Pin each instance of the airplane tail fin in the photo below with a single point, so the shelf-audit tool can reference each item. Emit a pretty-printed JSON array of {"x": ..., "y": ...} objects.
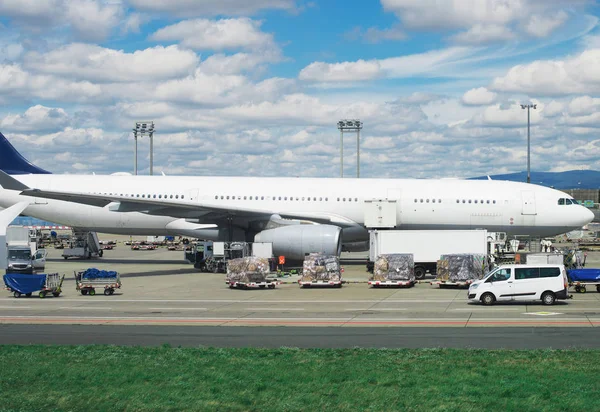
[{"x": 13, "y": 163}]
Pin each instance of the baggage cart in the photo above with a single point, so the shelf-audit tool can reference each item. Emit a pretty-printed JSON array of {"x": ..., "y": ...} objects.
[
  {"x": 328, "y": 283},
  {"x": 391, "y": 283},
  {"x": 456, "y": 284},
  {"x": 582, "y": 278},
  {"x": 91, "y": 279},
  {"x": 252, "y": 285},
  {"x": 44, "y": 284}
]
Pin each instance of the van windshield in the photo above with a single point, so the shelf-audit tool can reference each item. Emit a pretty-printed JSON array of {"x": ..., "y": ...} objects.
[{"x": 22, "y": 254}]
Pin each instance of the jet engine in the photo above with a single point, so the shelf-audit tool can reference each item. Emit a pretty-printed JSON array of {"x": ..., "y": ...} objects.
[{"x": 295, "y": 242}]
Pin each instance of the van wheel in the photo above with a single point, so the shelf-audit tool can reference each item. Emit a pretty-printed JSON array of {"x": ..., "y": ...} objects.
[
  {"x": 548, "y": 298},
  {"x": 488, "y": 299}
]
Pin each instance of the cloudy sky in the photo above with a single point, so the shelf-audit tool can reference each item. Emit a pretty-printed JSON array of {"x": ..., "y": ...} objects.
[{"x": 256, "y": 87}]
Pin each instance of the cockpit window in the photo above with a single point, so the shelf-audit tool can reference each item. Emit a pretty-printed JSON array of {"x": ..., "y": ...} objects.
[{"x": 566, "y": 201}]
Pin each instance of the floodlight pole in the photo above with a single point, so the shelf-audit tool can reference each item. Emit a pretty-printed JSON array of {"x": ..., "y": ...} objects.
[
  {"x": 142, "y": 128},
  {"x": 135, "y": 150},
  {"x": 353, "y": 125},
  {"x": 528, "y": 107}
]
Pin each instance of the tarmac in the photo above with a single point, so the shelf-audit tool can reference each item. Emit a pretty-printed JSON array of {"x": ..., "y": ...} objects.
[{"x": 160, "y": 290}]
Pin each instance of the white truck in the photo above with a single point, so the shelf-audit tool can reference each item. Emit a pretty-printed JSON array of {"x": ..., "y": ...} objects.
[
  {"x": 427, "y": 246},
  {"x": 23, "y": 255}
]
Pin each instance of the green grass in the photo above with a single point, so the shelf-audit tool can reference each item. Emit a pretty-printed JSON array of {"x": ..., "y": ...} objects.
[{"x": 111, "y": 378}]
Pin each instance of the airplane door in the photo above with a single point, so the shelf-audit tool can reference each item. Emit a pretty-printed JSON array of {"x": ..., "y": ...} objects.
[
  {"x": 396, "y": 194},
  {"x": 191, "y": 194},
  {"x": 528, "y": 203}
]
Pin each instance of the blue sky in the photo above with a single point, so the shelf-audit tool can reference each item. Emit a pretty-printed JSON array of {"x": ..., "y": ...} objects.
[{"x": 256, "y": 88}]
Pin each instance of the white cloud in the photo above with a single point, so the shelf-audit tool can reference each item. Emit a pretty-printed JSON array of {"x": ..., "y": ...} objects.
[
  {"x": 454, "y": 13},
  {"x": 553, "y": 108},
  {"x": 36, "y": 119},
  {"x": 15, "y": 82},
  {"x": 212, "y": 7},
  {"x": 92, "y": 19},
  {"x": 203, "y": 34},
  {"x": 511, "y": 115},
  {"x": 575, "y": 74},
  {"x": 237, "y": 63},
  {"x": 394, "y": 67},
  {"x": 542, "y": 26},
  {"x": 483, "y": 34},
  {"x": 32, "y": 11},
  {"x": 479, "y": 96},
  {"x": 341, "y": 72},
  {"x": 377, "y": 35},
  {"x": 583, "y": 105},
  {"x": 95, "y": 63}
]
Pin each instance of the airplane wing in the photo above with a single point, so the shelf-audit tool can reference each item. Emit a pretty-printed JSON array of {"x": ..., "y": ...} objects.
[{"x": 206, "y": 213}]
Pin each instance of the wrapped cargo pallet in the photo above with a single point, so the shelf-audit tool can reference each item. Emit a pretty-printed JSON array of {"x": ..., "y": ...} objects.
[
  {"x": 462, "y": 267},
  {"x": 394, "y": 267},
  {"x": 319, "y": 267},
  {"x": 247, "y": 269}
]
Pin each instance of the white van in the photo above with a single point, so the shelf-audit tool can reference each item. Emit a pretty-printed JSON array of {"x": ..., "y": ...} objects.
[{"x": 520, "y": 283}]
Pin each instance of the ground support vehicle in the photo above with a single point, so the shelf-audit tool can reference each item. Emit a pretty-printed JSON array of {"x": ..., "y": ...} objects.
[
  {"x": 426, "y": 246},
  {"x": 20, "y": 284},
  {"x": 87, "y": 283},
  {"x": 252, "y": 285},
  {"x": 83, "y": 245},
  {"x": 391, "y": 283},
  {"x": 445, "y": 284},
  {"x": 581, "y": 279},
  {"x": 328, "y": 283}
]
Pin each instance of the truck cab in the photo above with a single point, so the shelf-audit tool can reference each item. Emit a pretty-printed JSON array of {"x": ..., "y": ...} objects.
[{"x": 21, "y": 260}]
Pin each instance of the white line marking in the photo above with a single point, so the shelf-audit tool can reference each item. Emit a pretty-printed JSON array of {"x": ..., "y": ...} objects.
[
  {"x": 376, "y": 310},
  {"x": 84, "y": 308},
  {"x": 487, "y": 309},
  {"x": 117, "y": 300},
  {"x": 274, "y": 309},
  {"x": 177, "y": 308},
  {"x": 15, "y": 307}
]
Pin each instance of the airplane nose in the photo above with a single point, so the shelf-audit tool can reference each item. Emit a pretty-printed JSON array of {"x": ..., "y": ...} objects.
[{"x": 588, "y": 216}]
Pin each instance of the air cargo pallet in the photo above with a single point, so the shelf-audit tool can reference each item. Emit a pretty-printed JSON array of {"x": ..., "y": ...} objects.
[
  {"x": 580, "y": 287},
  {"x": 442, "y": 283},
  {"x": 243, "y": 285},
  {"x": 391, "y": 283},
  {"x": 328, "y": 283}
]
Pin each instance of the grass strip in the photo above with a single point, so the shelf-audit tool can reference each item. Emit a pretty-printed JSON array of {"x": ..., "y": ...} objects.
[{"x": 111, "y": 378}]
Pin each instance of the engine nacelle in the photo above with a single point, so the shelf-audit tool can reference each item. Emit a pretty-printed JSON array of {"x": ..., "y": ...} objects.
[{"x": 295, "y": 242}]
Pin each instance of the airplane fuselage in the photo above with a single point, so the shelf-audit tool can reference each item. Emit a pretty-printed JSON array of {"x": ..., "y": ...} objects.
[{"x": 514, "y": 208}]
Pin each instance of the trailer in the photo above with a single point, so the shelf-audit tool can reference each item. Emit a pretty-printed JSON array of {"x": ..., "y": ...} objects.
[
  {"x": 44, "y": 284},
  {"x": 91, "y": 279},
  {"x": 426, "y": 246},
  {"x": 582, "y": 278},
  {"x": 391, "y": 283},
  {"x": 452, "y": 284},
  {"x": 328, "y": 283},
  {"x": 252, "y": 285}
]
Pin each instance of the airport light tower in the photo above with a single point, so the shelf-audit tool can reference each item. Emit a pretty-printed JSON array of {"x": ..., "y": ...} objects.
[
  {"x": 141, "y": 129},
  {"x": 528, "y": 107},
  {"x": 350, "y": 125}
]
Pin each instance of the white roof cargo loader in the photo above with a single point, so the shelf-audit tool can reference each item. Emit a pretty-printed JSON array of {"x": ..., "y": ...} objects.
[{"x": 427, "y": 246}]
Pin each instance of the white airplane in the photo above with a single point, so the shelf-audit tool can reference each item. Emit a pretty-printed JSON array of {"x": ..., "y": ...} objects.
[{"x": 298, "y": 215}]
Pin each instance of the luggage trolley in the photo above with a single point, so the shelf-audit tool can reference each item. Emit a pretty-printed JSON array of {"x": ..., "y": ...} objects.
[
  {"x": 20, "y": 284},
  {"x": 581, "y": 278},
  {"x": 91, "y": 279}
]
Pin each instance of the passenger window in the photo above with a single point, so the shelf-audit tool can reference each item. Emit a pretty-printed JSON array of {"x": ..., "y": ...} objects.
[
  {"x": 527, "y": 273},
  {"x": 499, "y": 276},
  {"x": 549, "y": 272}
]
